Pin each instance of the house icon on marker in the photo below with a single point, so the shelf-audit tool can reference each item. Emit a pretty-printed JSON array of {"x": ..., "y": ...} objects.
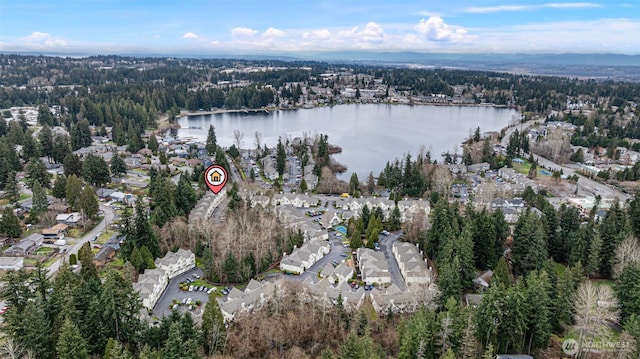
[{"x": 215, "y": 177}]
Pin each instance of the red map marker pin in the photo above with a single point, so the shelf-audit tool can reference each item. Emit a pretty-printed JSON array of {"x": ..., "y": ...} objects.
[{"x": 215, "y": 177}]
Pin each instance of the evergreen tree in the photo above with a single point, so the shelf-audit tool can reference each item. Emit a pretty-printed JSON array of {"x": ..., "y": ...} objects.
[
  {"x": 281, "y": 158},
  {"x": 40, "y": 202},
  {"x": 71, "y": 344},
  {"x": 529, "y": 247},
  {"x": 37, "y": 172},
  {"x": 213, "y": 329},
  {"x": 153, "y": 143},
  {"x": 627, "y": 288},
  {"x": 73, "y": 190},
  {"x": 89, "y": 271},
  {"x": 613, "y": 231},
  {"x": 61, "y": 147},
  {"x": 185, "y": 195},
  {"x": 80, "y": 135},
  {"x": 95, "y": 170},
  {"x": 538, "y": 304},
  {"x": 140, "y": 233},
  {"x": 230, "y": 268},
  {"x": 502, "y": 273},
  {"x": 178, "y": 345},
  {"x": 395, "y": 219},
  {"x": 134, "y": 142},
  {"x": 484, "y": 240},
  {"x": 59, "y": 190},
  {"x": 45, "y": 137},
  {"x": 10, "y": 224},
  {"x": 303, "y": 186},
  {"x": 119, "y": 308},
  {"x": 72, "y": 165},
  {"x": 11, "y": 190},
  {"x": 354, "y": 185},
  {"x": 419, "y": 335},
  {"x": 211, "y": 145},
  {"x": 89, "y": 202},
  {"x": 34, "y": 330},
  {"x": 117, "y": 165}
]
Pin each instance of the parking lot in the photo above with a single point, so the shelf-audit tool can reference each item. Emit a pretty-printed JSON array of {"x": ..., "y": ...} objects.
[{"x": 164, "y": 305}]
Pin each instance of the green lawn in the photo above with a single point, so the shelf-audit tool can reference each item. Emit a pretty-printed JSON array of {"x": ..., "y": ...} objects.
[
  {"x": 117, "y": 262},
  {"x": 105, "y": 236},
  {"x": 50, "y": 261},
  {"x": 522, "y": 168},
  {"x": 559, "y": 268},
  {"x": 44, "y": 250},
  {"x": 76, "y": 232}
]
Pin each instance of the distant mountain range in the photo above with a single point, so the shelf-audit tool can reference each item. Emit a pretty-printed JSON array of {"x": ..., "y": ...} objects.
[
  {"x": 409, "y": 57},
  {"x": 425, "y": 58}
]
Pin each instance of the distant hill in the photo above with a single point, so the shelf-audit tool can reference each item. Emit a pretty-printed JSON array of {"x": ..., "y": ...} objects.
[{"x": 425, "y": 58}]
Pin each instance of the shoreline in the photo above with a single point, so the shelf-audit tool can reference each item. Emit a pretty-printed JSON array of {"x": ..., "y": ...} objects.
[{"x": 273, "y": 109}]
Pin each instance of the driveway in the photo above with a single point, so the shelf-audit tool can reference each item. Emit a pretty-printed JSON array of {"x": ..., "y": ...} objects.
[
  {"x": 386, "y": 246},
  {"x": 335, "y": 254}
]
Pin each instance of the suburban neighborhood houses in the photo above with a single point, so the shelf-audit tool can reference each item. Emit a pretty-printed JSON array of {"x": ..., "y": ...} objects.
[{"x": 152, "y": 283}]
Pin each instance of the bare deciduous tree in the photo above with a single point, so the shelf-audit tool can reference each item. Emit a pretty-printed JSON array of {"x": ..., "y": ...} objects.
[
  {"x": 596, "y": 307},
  {"x": 627, "y": 252},
  {"x": 238, "y": 137},
  {"x": 257, "y": 139},
  {"x": 11, "y": 349}
]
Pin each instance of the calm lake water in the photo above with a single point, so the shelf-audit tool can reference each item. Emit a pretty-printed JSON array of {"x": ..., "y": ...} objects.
[{"x": 369, "y": 134}]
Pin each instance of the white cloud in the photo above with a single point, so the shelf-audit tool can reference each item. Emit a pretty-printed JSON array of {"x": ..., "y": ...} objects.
[
  {"x": 499, "y": 8},
  {"x": 215, "y": 42},
  {"x": 273, "y": 32},
  {"x": 317, "y": 34},
  {"x": 571, "y": 5},
  {"x": 190, "y": 35},
  {"x": 427, "y": 13},
  {"x": 243, "y": 32},
  {"x": 43, "y": 40},
  {"x": 435, "y": 29},
  {"x": 371, "y": 33}
]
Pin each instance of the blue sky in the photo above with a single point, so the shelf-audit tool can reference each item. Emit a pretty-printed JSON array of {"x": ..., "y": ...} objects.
[{"x": 199, "y": 27}]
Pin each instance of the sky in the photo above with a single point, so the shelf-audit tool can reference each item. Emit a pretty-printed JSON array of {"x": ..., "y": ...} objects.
[{"x": 210, "y": 27}]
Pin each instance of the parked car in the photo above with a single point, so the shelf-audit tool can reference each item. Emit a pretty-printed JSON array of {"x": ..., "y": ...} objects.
[
  {"x": 190, "y": 288},
  {"x": 225, "y": 292},
  {"x": 3, "y": 310}
]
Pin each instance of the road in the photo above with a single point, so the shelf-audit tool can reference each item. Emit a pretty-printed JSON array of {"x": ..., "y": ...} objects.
[
  {"x": 102, "y": 226},
  {"x": 163, "y": 305},
  {"x": 386, "y": 246},
  {"x": 586, "y": 186}
]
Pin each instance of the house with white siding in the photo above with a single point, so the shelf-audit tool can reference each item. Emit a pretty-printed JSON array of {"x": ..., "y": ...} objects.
[
  {"x": 412, "y": 264},
  {"x": 373, "y": 266},
  {"x": 304, "y": 257}
]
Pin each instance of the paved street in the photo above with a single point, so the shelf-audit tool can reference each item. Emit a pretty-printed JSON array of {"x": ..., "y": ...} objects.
[
  {"x": 386, "y": 245},
  {"x": 108, "y": 218}
]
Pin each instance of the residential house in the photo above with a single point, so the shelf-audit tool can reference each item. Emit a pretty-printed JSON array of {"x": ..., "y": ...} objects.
[
  {"x": 152, "y": 283},
  {"x": 26, "y": 245},
  {"x": 373, "y": 267},
  {"x": 329, "y": 219},
  {"x": 483, "y": 279},
  {"x": 104, "y": 255},
  {"x": 341, "y": 273},
  {"x": 412, "y": 264},
  {"x": 458, "y": 168},
  {"x": 304, "y": 257},
  {"x": 478, "y": 167},
  {"x": 174, "y": 264},
  {"x": 11, "y": 263},
  {"x": 71, "y": 219},
  {"x": 56, "y": 232},
  {"x": 393, "y": 299},
  {"x": 255, "y": 295}
]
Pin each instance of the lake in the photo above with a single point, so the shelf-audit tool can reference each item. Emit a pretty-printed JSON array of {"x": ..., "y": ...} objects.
[{"x": 369, "y": 134}]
